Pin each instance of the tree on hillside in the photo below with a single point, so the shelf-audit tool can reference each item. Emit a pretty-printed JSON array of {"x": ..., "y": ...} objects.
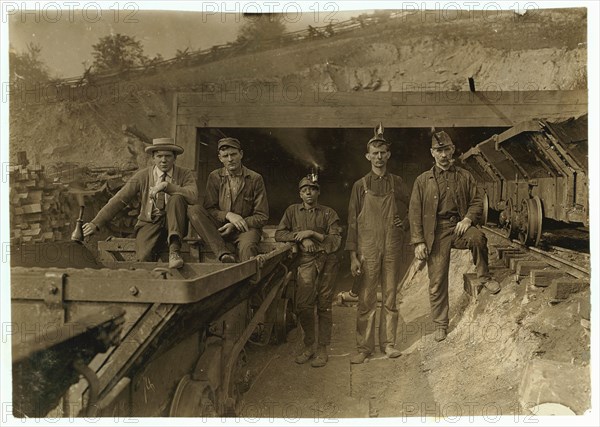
[
  {"x": 27, "y": 66},
  {"x": 117, "y": 52},
  {"x": 260, "y": 28}
]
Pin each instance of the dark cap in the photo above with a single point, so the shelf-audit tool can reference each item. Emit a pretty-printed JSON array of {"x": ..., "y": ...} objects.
[
  {"x": 378, "y": 137},
  {"x": 440, "y": 140},
  {"x": 229, "y": 142},
  {"x": 306, "y": 181}
]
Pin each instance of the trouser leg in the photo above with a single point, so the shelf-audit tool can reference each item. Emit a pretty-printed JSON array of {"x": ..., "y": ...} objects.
[
  {"x": 367, "y": 305},
  {"x": 474, "y": 240},
  {"x": 388, "y": 320},
  {"x": 176, "y": 217},
  {"x": 305, "y": 297},
  {"x": 149, "y": 237},
  {"x": 207, "y": 228},
  {"x": 325, "y": 290},
  {"x": 247, "y": 243},
  {"x": 438, "y": 263}
]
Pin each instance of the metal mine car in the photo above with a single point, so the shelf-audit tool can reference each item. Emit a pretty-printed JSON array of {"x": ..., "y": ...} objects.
[{"x": 533, "y": 172}]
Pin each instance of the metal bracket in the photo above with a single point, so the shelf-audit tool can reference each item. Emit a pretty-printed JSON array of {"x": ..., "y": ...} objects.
[{"x": 55, "y": 289}]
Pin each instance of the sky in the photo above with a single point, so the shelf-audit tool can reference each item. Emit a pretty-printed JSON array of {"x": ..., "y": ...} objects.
[{"x": 66, "y": 38}]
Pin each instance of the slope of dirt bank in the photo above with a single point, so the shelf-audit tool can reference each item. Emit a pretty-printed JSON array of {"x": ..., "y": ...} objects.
[
  {"x": 545, "y": 50},
  {"x": 475, "y": 372}
]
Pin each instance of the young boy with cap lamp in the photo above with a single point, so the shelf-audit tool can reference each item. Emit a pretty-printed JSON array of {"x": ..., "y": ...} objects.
[{"x": 317, "y": 231}]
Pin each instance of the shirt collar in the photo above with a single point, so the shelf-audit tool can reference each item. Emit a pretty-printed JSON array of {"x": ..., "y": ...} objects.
[
  {"x": 158, "y": 173},
  {"x": 374, "y": 175},
  {"x": 438, "y": 169},
  {"x": 225, "y": 172},
  {"x": 304, "y": 208}
]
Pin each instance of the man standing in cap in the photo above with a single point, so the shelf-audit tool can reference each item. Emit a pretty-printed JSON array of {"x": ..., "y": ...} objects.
[
  {"x": 444, "y": 207},
  {"x": 165, "y": 191},
  {"x": 376, "y": 226},
  {"x": 317, "y": 231},
  {"x": 236, "y": 200}
]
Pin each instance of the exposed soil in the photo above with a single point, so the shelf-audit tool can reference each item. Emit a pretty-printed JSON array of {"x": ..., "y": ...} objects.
[
  {"x": 476, "y": 371},
  {"x": 542, "y": 50}
]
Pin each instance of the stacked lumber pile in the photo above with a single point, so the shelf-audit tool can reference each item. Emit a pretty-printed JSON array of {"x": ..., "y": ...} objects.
[
  {"x": 40, "y": 209},
  {"x": 44, "y": 204}
]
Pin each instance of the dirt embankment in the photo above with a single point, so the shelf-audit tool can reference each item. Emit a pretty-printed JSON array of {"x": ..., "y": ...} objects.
[{"x": 545, "y": 50}]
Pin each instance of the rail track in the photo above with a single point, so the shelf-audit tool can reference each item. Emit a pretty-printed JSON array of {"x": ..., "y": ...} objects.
[{"x": 542, "y": 268}]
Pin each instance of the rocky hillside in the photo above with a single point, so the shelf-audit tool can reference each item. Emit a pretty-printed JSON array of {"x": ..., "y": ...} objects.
[{"x": 541, "y": 50}]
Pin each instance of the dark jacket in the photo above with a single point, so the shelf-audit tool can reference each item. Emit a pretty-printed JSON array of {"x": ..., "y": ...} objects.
[
  {"x": 250, "y": 203},
  {"x": 184, "y": 184},
  {"x": 422, "y": 211}
]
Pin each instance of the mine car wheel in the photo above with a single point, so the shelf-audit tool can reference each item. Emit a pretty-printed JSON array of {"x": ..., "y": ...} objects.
[
  {"x": 486, "y": 209},
  {"x": 193, "y": 399},
  {"x": 506, "y": 219},
  {"x": 532, "y": 221},
  {"x": 284, "y": 321}
]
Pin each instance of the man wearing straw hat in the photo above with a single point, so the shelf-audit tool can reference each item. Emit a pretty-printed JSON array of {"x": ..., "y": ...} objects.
[
  {"x": 376, "y": 228},
  {"x": 165, "y": 191},
  {"x": 444, "y": 207}
]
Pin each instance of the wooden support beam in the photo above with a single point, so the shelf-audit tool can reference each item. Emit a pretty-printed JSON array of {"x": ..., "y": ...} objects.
[
  {"x": 186, "y": 137},
  {"x": 266, "y": 108}
]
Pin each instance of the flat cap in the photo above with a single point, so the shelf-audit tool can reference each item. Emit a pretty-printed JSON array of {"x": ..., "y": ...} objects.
[
  {"x": 440, "y": 140},
  {"x": 229, "y": 142},
  {"x": 306, "y": 181}
]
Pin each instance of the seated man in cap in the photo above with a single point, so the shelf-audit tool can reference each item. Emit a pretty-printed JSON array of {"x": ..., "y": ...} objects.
[
  {"x": 235, "y": 203},
  {"x": 165, "y": 191},
  {"x": 317, "y": 231},
  {"x": 444, "y": 207}
]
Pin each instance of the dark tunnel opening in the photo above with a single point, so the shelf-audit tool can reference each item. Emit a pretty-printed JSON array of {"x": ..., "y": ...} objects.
[{"x": 284, "y": 155}]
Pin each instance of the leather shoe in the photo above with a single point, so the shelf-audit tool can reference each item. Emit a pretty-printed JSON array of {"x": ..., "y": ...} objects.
[
  {"x": 440, "y": 334},
  {"x": 175, "y": 260},
  {"x": 305, "y": 356},
  {"x": 359, "y": 358},
  {"x": 320, "y": 359},
  {"x": 227, "y": 259},
  {"x": 392, "y": 352},
  {"x": 492, "y": 286}
]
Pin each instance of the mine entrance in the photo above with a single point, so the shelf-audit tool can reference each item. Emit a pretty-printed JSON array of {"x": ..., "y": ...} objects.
[{"x": 284, "y": 155}]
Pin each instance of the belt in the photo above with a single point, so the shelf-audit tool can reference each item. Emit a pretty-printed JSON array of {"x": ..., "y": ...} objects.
[{"x": 452, "y": 218}]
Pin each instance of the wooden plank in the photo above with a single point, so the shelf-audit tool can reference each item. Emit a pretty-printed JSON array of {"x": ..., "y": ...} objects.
[
  {"x": 185, "y": 136},
  {"x": 261, "y": 94},
  {"x": 239, "y": 107},
  {"x": 290, "y": 95},
  {"x": 365, "y": 117}
]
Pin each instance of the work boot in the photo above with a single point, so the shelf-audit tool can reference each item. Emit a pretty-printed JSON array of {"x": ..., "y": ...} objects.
[
  {"x": 359, "y": 358},
  {"x": 175, "y": 260},
  {"x": 320, "y": 359},
  {"x": 305, "y": 356},
  {"x": 440, "y": 334},
  {"x": 492, "y": 286},
  {"x": 392, "y": 352},
  {"x": 227, "y": 259}
]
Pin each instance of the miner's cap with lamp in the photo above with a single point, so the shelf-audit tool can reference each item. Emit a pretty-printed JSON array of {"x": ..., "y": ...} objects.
[
  {"x": 164, "y": 144},
  {"x": 307, "y": 182},
  {"x": 229, "y": 142},
  {"x": 378, "y": 137},
  {"x": 441, "y": 140}
]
